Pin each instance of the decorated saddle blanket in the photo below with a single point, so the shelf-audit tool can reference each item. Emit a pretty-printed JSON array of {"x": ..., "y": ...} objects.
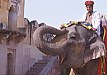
[{"x": 86, "y": 25}]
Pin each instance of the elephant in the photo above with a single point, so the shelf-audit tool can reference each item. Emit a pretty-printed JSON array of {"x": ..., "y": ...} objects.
[{"x": 77, "y": 47}]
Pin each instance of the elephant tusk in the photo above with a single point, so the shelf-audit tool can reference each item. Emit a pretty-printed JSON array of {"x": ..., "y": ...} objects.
[{"x": 62, "y": 58}]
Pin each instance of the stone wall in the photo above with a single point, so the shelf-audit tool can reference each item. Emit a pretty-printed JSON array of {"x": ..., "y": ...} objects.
[{"x": 16, "y": 57}]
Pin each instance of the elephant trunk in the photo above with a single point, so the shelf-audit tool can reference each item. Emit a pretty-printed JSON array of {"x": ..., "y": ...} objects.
[{"x": 49, "y": 47}]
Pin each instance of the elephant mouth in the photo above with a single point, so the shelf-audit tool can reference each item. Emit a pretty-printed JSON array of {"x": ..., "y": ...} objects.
[
  {"x": 74, "y": 51},
  {"x": 74, "y": 62}
]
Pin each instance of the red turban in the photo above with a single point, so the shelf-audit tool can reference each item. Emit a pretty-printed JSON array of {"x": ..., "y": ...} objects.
[{"x": 89, "y": 3}]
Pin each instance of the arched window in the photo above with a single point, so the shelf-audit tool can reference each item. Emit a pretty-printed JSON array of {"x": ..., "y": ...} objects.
[{"x": 12, "y": 18}]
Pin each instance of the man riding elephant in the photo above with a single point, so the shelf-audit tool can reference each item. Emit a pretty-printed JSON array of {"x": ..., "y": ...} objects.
[{"x": 92, "y": 17}]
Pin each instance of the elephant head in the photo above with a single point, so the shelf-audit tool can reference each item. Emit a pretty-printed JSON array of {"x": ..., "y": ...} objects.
[{"x": 77, "y": 43}]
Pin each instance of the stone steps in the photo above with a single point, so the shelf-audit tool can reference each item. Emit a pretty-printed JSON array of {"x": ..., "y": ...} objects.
[{"x": 38, "y": 66}]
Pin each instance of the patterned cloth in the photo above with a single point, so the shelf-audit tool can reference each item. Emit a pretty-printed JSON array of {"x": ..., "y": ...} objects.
[
  {"x": 104, "y": 37},
  {"x": 86, "y": 25},
  {"x": 102, "y": 67}
]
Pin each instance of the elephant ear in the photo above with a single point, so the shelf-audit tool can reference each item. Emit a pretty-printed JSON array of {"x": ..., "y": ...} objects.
[{"x": 96, "y": 48}]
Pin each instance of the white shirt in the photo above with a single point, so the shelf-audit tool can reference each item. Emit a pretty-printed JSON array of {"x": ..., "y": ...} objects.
[{"x": 95, "y": 21}]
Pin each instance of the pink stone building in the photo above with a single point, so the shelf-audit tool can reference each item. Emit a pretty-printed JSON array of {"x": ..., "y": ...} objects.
[{"x": 17, "y": 50}]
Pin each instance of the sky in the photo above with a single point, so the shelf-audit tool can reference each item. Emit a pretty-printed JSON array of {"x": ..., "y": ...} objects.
[{"x": 56, "y": 12}]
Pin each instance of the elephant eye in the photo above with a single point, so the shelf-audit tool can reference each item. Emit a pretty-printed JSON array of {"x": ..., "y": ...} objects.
[{"x": 72, "y": 36}]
